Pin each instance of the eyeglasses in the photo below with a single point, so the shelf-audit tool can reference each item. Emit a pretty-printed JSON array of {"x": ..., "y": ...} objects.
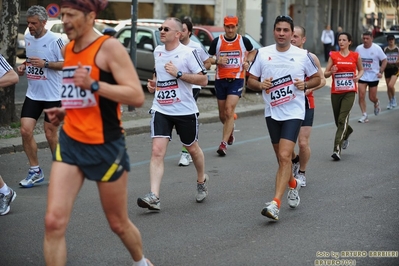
[
  {"x": 165, "y": 29},
  {"x": 284, "y": 18}
]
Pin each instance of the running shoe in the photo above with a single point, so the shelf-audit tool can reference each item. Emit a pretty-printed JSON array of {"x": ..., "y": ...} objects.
[
  {"x": 302, "y": 179},
  {"x": 293, "y": 195},
  {"x": 363, "y": 119},
  {"x": 149, "y": 201},
  {"x": 336, "y": 156},
  {"x": 184, "y": 159},
  {"x": 5, "y": 201},
  {"x": 222, "y": 151},
  {"x": 394, "y": 103},
  {"x": 345, "y": 144},
  {"x": 202, "y": 190},
  {"x": 231, "y": 138},
  {"x": 295, "y": 168},
  {"x": 389, "y": 106},
  {"x": 271, "y": 210},
  {"x": 32, "y": 178},
  {"x": 377, "y": 108}
]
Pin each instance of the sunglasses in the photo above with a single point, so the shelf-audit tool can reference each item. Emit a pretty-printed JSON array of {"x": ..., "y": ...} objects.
[
  {"x": 284, "y": 18},
  {"x": 165, "y": 29}
]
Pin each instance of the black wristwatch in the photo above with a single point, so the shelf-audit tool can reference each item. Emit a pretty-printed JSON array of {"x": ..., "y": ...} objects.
[
  {"x": 94, "y": 86},
  {"x": 179, "y": 74},
  {"x": 46, "y": 64}
]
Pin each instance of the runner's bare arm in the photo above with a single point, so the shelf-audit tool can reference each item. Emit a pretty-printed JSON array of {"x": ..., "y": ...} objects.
[
  {"x": 112, "y": 57},
  {"x": 323, "y": 80}
]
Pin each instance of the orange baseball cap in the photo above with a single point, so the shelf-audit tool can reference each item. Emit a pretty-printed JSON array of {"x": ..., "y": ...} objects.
[{"x": 231, "y": 20}]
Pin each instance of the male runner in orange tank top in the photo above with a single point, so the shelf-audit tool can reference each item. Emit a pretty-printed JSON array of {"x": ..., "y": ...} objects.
[
  {"x": 97, "y": 76},
  {"x": 229, "y": 52}
]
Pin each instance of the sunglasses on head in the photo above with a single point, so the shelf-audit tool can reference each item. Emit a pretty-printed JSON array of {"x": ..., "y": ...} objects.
[
  {"x": 165, "y": 29},
  {"x": 284, "y": 18}
]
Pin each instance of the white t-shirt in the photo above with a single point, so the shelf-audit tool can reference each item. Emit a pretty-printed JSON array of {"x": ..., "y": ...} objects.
[
  {"x": 44, "y": 84},
  {"x": 284, "y": 100},
  {"x": 4, "y": 66},
  {"x": 371, "y": 58},
  {"x": 174, "y": 96},
  {"x": 203, "y": 55}
]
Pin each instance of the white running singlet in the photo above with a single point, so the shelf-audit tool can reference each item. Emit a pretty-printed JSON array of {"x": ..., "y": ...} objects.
[
  {"x": 201, "y": 53},
  {"x": 174, "y": 96},
  {"x": 284, "y": 100},
  {"x": 44, "y": 84},
  {"x": 371, "y": 58},
  {"x": 4, "y": 66}
]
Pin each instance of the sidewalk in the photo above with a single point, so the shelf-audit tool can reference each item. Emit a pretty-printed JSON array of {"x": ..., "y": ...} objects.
[{"x": 132, "y": 127}]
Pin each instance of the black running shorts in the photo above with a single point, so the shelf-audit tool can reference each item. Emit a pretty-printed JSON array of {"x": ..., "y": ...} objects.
[
  {"x": 288, "y": 129},
  {"x": 186, "y": 126}
]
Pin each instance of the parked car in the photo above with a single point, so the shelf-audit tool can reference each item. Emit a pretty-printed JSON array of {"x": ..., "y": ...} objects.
[
  {"x": 147, "y": 38},
  {"x": 382, "y": 40},
  {"x": 21, "y": 52}
]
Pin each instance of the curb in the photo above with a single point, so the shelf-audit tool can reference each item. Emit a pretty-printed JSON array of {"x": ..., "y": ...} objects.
[{"x": 132, "y": 127}]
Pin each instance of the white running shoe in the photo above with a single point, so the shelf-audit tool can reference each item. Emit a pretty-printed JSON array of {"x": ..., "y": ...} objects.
[
  {"x": 202, "y": 190},
  {"x": 293, "y": 195},
  {"x": 301, "y": 178},
  {"x": 393, "y": 102},
  {"x": 345, "y": 144},
  {"x": 185, "y": 159},
  {"x": 389, "y": 106},
  {"x": 377, "y": 108},
  {"x": 271, "y": 210},
  {"x": 32, "y": 178},
  {"x": 363, "y": 119},
  {"x": 295, "y": 168}
]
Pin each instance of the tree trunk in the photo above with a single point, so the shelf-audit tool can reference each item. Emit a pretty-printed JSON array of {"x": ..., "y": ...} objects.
[
  {"x": 241, "y": 12},
  {"x": 9, "y": 20}
]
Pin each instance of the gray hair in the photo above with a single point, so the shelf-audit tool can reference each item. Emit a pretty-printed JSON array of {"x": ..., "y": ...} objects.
[{"x": 39, "y": 11}]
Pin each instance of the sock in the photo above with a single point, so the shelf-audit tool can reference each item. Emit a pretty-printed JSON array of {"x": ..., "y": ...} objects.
[
  {"x": 35, "y": 168},
  {"x": 296, "y": 159},
  {"x": 365, "y": 114},
  {"x": 142, "y": 262},
  {"x": 301, "y": 172},
  {"x": 5, "y": 190},
  {"x": 277, "y": 201},
  {"x": 184, "y": 149},
  {"x": 292, "y": 184}
]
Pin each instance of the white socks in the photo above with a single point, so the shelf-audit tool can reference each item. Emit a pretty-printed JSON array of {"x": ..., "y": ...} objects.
[{"x": 142, "y": 262}]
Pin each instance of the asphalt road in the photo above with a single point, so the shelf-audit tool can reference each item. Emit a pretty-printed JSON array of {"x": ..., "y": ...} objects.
[{"x": 347, "y": 206}]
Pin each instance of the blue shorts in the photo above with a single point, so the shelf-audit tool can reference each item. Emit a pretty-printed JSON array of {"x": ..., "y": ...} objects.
[
  {"x": 226, "y": 87},
  {"x": 309, "y": 116},
  {"x": 288, "y": 129},
  {"x": 98, "y": 162}
]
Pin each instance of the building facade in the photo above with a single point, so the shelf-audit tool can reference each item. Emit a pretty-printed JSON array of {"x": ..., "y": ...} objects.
[{"x": 314, "y": 15}]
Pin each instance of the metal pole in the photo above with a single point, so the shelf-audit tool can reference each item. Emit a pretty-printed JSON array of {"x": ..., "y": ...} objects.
[
  {"x": 285, "y": 7},
  {"x": 133, "y": 45}
]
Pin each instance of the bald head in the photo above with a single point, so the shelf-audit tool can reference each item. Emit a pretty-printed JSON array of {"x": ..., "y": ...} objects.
[{"x": 299, "y": 36}]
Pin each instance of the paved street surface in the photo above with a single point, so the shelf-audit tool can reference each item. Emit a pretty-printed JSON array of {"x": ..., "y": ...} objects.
[{"x": 348, "y": 206}]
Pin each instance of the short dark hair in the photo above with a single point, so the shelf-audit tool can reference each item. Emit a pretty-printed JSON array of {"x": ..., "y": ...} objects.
[
  {"x": 189, "y": 25},
  {"x": 390, "y": 37},
  {"x": 346, "y": 34},
  {"x": 283, "y": 18},
  {"x": 368, "y": 33}
]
